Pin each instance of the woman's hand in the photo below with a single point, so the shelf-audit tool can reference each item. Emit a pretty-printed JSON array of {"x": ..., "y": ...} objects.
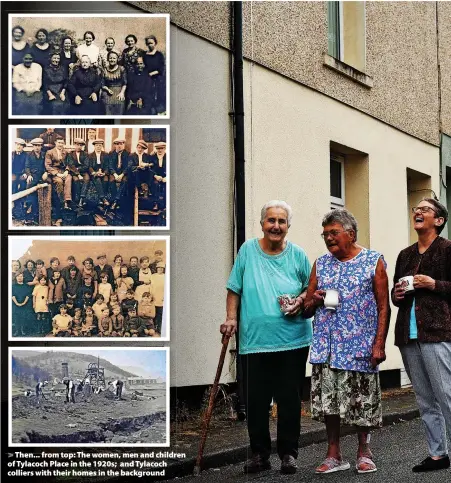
[
  {"x": 93, "y": 97},
  {"x": 51, "y": 96},
  {"x": 228, "y": 327},
  {"x": 318, "y": 298},
  {"x": 63, "y": 96},
  {"x": 423, "y": 281},
  {"x": 78, "y": 100},
  {"x": 121, "y": 96},
  {"x": 398, "y": 292},
  {"x": 378, "y": 355},
  {"x": 297, "y": 306}
]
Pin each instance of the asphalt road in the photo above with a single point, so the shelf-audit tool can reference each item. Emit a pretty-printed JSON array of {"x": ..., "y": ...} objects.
[{"x": 396, "y": 449}]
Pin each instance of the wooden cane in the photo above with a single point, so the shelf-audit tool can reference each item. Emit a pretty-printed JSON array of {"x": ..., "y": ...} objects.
[{"x": 208, "y": 413}]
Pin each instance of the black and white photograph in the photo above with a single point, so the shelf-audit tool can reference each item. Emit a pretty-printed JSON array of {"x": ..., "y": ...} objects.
[
  {"x": 84, "y": 287},
  {"x": 89, "y": 397},
  {"x": 104, "y": 65},
  {"x": 89, "y": 176}
]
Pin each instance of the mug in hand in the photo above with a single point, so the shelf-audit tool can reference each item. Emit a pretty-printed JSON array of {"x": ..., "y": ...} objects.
[
  {"x": 407, "y": 284},
  {"x": 331, "y": 299}
]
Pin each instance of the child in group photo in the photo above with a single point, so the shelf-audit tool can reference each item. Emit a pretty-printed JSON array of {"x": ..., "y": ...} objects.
[{"x": 66, "y": 300}]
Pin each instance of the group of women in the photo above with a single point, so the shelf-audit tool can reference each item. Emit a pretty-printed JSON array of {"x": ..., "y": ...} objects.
[
  {"x": 85, "y": 79},
  {"x": 347, "y": 293}
]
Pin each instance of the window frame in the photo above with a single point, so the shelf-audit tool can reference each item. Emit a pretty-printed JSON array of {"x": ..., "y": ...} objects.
[{"x": 334, "y": 201}]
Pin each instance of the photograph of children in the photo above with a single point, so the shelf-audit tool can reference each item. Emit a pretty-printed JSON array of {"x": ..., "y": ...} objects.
[
  {"x": 78, "y": 66},
  {"x": 87, "y": 287},
  {"x": 93, "y": 396},
  {"x": 89, "y": 176}
]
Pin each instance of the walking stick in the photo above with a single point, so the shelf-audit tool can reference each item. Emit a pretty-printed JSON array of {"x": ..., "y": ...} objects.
[{"x": 208, "y": 413}]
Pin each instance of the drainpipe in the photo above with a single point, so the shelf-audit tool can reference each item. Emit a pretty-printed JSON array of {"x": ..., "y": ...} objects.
[{"x": 239, "y": 187}]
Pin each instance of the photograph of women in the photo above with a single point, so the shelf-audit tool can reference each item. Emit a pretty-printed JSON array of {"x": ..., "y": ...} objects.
[{"x": 104, "y": 65}]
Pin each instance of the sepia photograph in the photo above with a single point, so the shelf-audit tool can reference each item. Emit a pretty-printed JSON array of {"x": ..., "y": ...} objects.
[
  {"x": 89, "y": 176},
  {"x": 78, "y": 66},
  {"x": 88, "y": 397},
  {"x": 83, "y": 288}
]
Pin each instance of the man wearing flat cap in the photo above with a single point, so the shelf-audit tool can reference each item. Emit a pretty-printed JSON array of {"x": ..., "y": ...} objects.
[
  {"x": 77, "y": 165},
  {"x": 158, "y": 258},
  {"x": 98, "y": 172},
  {"x": 35, "y": 173},
  {"x": 103, "y": 267},
  {"x": 118, "y": 171},
  {"x": 19, "y": 157},
  {"x": 140, "y": 167},
  {"x": 158, "y": 159},
  {"x": 55, "y": 164}
]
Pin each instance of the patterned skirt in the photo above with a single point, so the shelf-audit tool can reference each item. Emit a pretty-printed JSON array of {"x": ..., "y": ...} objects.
[{"x": 354, "y": 396}]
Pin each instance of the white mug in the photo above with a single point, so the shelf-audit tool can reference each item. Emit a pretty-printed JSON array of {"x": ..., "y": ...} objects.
[
  {"x": 331, "y": 299},
  {"x": 407, "y": 284}
]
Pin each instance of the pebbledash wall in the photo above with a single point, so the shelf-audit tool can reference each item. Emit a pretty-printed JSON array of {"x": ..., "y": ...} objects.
[{"x": 297, "y": 111}]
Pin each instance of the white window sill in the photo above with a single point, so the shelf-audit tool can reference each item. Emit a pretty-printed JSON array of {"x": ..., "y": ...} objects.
[{"x": 348, "y": 71}]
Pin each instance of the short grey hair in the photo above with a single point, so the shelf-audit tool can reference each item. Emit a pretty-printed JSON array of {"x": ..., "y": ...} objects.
[
  {"x": 344, "y": 217},
  {"x": 276, "y": 204}
]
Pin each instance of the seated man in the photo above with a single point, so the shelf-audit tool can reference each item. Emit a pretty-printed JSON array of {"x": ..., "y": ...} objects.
[
  {"x": 98, "y": 173},
  {"x": 138, "y": 89},
  {"x": 140, "y": 167},
  {"x": 118, "y": 164},
  {"x": 77, "y": 165},
  {"x": 55, "y": 164},
  {"x": 27, "y": 82}
]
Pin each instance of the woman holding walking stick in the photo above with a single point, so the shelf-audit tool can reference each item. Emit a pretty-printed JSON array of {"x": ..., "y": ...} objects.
[{"x": 268, "y": 276}]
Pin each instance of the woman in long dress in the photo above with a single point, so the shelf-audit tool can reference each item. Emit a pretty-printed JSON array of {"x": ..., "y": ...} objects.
[
  {"x": 19, "y": 45},
  {"x": 131, "y": 53},
  {"x": 154, "y": 61},
  {"x": 54, "y": 83},
  {"x": 41, "y": 48},
  {"x": 113, "y": 86},
  {"x": 23, "y": 318}
]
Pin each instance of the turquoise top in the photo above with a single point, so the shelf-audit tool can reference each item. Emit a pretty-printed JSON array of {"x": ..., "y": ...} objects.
[
  {"x": 413, "y": 330},
  {"x": 259, "y": 279}
]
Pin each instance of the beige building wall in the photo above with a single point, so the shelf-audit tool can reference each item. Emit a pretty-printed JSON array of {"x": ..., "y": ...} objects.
[
  {"x": 444, "y": 39},
  {"x": 289, "y": 130},
  {"x": 291, "y": 38}
]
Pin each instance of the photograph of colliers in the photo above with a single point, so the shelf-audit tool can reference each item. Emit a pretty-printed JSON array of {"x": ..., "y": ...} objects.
[
  {"x": 93, "y": 397},
  {"x": 69, "y": 65},
  {"x": 89, "y": 287},
  {"x": 97, "y": 176}
]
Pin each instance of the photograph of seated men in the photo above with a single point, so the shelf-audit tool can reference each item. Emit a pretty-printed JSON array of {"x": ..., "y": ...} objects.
[{"x": 88, "y": 176}]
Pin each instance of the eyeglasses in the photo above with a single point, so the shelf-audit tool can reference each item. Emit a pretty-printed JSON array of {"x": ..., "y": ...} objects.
[
  {"x": 332, "y": 233},
  {"x": 423, "y": 209}
]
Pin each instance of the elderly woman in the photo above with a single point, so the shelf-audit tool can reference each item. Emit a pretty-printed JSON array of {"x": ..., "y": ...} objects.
[
  {"x": 19, "y": 45},
  {"x": 27, "y": 83},
  {"x": 113, "y": 86},
  {"x": 89, "y": 49},
  {"x": 41, "y": 48},
  {"x": 84, "y": 87},
  {"x": 348, "y": 338},
  {"x": 274, "y": 344},
  {"x": 423, "y": 326},
  {"x": 54, "y": 83}
]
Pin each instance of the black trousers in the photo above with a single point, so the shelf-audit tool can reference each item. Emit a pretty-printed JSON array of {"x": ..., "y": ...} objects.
[{"x": 278, "y": 375}]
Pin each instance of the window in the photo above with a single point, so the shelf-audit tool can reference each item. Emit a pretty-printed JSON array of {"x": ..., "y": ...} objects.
[
  {"x": 337, "y": 181},
  {"x": 346, "y": 32}
]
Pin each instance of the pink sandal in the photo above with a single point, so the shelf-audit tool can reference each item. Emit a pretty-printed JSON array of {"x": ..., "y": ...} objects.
[
  {"x": 333, "y": 465},
  {"x": 365, "y": 460}
]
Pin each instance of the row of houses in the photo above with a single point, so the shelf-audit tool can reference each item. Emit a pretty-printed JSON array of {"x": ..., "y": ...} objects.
[{"x": 345, "y": 104}]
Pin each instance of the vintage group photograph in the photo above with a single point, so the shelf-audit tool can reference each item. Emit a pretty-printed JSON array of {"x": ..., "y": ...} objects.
[
  {"x": 93, "y": 397},
  {"x": 86, "y": 287},
  {"x": 104, "y": 65},
  {"x": 89, "y": 176}
]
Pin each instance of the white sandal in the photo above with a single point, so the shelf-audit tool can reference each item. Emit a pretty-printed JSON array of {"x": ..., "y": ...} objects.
[
  {"x": 367, "y": 461},
  {"x": 333, "y": 465}
]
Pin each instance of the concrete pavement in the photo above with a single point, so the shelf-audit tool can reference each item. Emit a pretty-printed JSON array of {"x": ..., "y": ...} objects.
[{"x": 396, "y": 449}]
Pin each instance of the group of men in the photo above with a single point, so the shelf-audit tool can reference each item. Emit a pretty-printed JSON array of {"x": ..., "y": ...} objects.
[{"x": 114, "y": 175}]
